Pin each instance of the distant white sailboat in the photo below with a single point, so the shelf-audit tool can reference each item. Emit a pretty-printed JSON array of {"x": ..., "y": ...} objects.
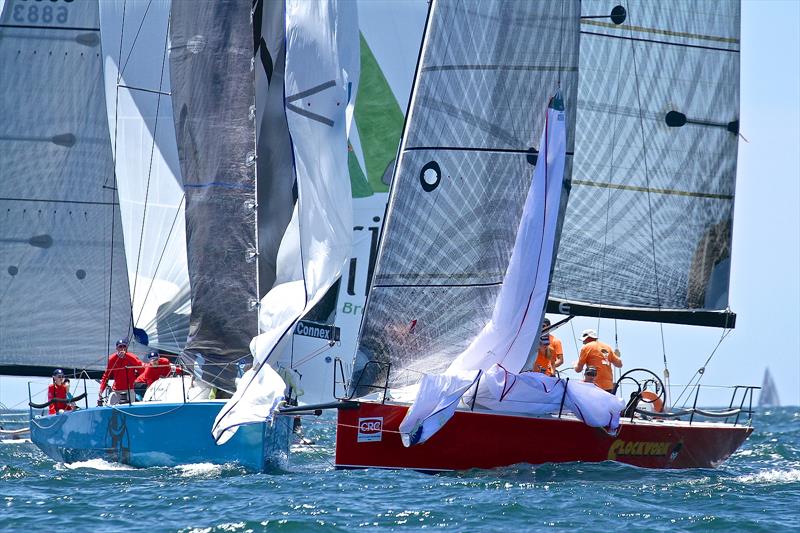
[{"x": 769, "y": 392}]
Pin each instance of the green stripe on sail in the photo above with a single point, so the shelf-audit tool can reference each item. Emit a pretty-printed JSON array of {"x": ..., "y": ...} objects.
[
  {"x": 379, "y": 120},
  {"x": 358, "y": 181}
]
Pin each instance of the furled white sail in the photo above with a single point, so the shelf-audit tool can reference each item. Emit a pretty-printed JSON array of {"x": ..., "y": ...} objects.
[
  {"x": 137, "y": 87},
  {"x": 515, "y": 324},
  {"x": 533, "y": 393},
  {"x": 320, "y": 75}
]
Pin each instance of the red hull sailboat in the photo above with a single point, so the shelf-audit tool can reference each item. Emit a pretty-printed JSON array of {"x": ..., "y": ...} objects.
[
  {"x": 628, "y": 215},
  {"x": 367, "y": 436}
]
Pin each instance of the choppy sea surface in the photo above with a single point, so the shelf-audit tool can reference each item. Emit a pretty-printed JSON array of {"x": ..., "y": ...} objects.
[{"x": 757, "y": 489}]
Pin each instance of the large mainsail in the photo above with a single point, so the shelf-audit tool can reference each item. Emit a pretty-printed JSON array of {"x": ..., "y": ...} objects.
[
  {"x": 64, "y": 295},
  {"x": 464, "y": 170},
  {"x": 213, "y": 98},
  {"x": 648, "y": 227},
  {"x": 134, "y": 40}
]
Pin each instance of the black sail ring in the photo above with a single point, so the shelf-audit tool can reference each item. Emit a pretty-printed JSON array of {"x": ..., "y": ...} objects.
[{"x": 430, "y": 176}]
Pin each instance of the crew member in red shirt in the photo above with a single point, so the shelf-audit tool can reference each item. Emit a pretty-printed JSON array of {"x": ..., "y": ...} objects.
[
  {"x": 58, "y": 391},
  {"x": 601, "y": 356},
  {"x": 157, "y": 367},
  {"x": 123, "y": 367}
]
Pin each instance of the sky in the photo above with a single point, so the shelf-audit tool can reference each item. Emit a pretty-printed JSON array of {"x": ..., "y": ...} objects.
[{"x": 765, "y": 271}]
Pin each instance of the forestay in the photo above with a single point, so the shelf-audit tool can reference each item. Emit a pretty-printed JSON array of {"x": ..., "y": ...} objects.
[
  {"x": 486, "y": 73},
  {"x": 321, "y": 70},
  {"x": 649, "y": 221},
  {"x": 137, "y": 83},
  {"x": 64, "y": 295}
]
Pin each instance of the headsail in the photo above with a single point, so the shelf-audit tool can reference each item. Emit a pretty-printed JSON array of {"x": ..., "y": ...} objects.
[
  {"x": 486, "y": 72},
  {"x": 321, "y": 70},
  {"x": 213, "y": 97},
  {"x": 648, "y": 228},
  {"x": 63, "y": 284},
  {"x": 148, "y": 172},
  {"x": 506, "y": 340}
]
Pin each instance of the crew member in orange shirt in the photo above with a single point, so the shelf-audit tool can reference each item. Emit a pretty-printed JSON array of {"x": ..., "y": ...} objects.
[
  {"x": 58, "y": 391},
  {"x": 123, "y": 367},
  {"x": 599, "y": 355},
  {"x": 551, "y": 353}
]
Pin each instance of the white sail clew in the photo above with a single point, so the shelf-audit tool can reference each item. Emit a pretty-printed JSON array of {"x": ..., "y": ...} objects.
[
  {"x": 507, "y": 337},
  {"x": 322, "y": 69}
]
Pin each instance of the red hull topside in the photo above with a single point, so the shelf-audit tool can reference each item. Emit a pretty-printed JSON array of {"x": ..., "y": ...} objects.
[{"x": 368, "y": 437}]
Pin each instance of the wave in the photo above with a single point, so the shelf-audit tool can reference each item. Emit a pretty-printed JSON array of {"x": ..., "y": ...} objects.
[
  {"x": 772, "y": 477},
  {"x": 95, "y": 464},
  {"x": 15, "y": 441},
  {"x": 200, "y": 470}
]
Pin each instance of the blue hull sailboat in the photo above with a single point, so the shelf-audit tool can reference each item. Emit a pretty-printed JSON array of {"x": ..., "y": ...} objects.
[
  {"x": 257, "y": 228},
  {"x": 152, "y": 434}
]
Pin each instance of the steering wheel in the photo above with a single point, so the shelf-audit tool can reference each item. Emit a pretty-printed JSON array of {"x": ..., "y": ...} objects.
[{"x": 642, "y": 384}]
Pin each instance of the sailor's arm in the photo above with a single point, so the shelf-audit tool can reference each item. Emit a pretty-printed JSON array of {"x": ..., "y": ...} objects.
[
  {"x": 104, "y": 379},
  {"x": 558, "y": 351},
  {"x": 615, "y": 359},
  {"x": 581, "y": 361}
]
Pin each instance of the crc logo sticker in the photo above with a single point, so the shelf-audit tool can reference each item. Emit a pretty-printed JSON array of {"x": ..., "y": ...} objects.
[{"x": 370, "y": 429}]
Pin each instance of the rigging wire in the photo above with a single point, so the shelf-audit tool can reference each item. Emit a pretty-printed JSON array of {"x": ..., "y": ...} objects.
[
  {"x": 649, "y": 198},
  {"x": 616, "y": 350},
  {"x": 149, "y": 169},
  {"x": 114, "y": 188},
  {"x": 121, "y": 68},
  {"x": 574, "y": 338},
  {"x": 700, "y": 372}
]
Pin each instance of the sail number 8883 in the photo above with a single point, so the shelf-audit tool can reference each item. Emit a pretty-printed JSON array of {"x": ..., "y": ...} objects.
[{"x": 39, "y": 11}]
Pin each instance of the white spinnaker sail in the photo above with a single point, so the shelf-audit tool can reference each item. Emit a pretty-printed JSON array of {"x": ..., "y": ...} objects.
[
  {"x": 507, "y": 337},
  {"x": 321, "y": 73},
  {"x": 137, "y": 86}
]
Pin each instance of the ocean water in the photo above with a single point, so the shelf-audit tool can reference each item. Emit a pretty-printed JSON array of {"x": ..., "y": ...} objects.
[{"x": 757, "y": 489}]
